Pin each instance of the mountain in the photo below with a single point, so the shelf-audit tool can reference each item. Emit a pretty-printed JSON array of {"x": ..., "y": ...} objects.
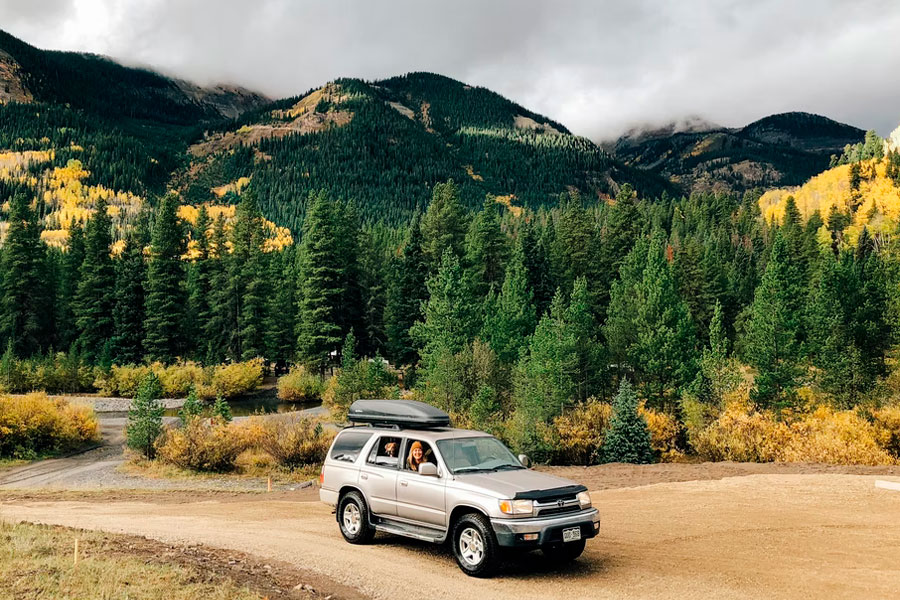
[
  {"x": 386, "y": 143},
  {"x": 100, "y": 85},
  {"x": 135, "y": 133},
  {"x": 779, "y": 150}
]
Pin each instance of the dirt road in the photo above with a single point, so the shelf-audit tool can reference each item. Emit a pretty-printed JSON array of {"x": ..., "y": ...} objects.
[{"x": 756, "y": 536}]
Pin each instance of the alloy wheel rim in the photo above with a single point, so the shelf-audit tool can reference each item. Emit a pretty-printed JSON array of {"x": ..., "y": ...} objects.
[
  {"x": 471, "y": 546},
  {"x": 352, "y": 521}
]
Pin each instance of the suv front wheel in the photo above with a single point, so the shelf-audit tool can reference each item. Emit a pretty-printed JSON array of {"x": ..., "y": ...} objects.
[
  {"x": 353, "y": 516},
  {"x": 474, "y": 545}
]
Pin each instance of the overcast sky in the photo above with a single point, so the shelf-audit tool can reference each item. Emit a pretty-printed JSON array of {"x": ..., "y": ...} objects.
[{"x": 596, "y": 66}]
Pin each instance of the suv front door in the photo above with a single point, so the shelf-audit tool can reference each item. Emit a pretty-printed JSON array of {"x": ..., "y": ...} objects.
[{"x": 420, "y": 498}]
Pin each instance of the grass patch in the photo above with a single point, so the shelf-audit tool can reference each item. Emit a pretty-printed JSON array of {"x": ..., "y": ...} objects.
[{"x": 37, "y": 562}]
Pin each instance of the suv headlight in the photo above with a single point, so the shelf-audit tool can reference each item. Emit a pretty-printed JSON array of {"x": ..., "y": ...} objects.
[
  {"x": 517, "y": 507},
  {"x": 584, "y": 499}
]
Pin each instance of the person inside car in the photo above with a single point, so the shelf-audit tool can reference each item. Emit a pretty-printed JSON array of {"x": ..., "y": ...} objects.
[
  {"x": 417, "y": 456},
  {"x": 390, "y": 449}
]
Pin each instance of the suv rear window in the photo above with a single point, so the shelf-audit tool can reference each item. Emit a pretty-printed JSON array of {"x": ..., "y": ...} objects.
[{"x": 348, "y": 445}]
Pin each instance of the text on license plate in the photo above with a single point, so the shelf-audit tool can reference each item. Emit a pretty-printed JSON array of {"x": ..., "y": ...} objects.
[{"x": 572, "y": 534}]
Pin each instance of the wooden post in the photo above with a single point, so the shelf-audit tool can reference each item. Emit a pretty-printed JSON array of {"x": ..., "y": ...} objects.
[
  {"x": 269, "y": 485},
  {"x": 76, "y": 552}
]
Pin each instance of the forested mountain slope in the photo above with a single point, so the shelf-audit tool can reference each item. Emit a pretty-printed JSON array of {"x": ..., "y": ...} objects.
[
  {"x": 779, "y": 150},
  {"x": 385, "y": 144}
]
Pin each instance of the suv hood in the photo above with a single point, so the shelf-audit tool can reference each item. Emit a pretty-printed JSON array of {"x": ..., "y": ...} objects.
[{"x": 505, "y": 484}]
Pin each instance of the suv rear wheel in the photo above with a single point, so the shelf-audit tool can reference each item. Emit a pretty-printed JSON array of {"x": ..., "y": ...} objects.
[
  {"x": 353, "y": 516},
  {"x": 474, "y": 545}
]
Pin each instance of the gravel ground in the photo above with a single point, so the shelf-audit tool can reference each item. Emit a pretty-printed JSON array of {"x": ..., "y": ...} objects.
[{"x": 761, "y": 536}]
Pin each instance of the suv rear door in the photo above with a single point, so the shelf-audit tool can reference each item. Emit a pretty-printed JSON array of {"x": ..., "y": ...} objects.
[{"x": 378, "y": 475}]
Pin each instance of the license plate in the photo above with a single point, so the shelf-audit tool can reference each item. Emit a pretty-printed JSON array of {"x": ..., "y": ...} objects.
[{"x": 573, "y": 534}]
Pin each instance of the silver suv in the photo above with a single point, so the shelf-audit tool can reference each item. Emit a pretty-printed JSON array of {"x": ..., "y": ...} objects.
[{"x": 409, "y": 473}]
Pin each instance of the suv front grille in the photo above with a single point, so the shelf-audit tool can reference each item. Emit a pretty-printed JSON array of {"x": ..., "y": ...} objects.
[
  {"x": 557, "y": 506},
  {"x": 557, "y": 510}
]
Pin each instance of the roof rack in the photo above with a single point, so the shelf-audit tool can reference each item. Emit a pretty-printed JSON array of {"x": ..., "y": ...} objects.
[{"x": 399, "y": 414}]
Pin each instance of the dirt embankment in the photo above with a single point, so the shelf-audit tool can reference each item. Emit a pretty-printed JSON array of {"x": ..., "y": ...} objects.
[{"x": 765, "y": 535}]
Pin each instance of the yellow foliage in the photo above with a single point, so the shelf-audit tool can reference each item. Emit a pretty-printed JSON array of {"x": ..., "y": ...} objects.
[
  {"x": 34, "y": 424},
  {"x": 238, "y": 378},
  {"x": 228, "y": 380},
  {"x": 579, "y": 433},
  {"x": 201, "y": 445},
  {"x": 742, "y": 433},
  {"x": 879, "y": 199},
  {"x": 277, "y": 238},
  {"x": 664, "y": 430},
  {"x": 235, "y": 186},
  {"x": 299, "y": 385}
]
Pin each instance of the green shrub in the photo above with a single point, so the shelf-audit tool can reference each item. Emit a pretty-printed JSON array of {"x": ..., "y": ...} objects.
[
  {"x": 221, "y": 409},
  {"x": 59, "y": 373},
  {"x": 358, "y": 379},
  {"x": 192, "y": 407},
  {"x": 145, "y": 417},
  {"x": 34, "y": 425},
  {"x": 176, "y": 380},
  {"x": 299, "y": 386},
  {"x": 628, "y": 439}
]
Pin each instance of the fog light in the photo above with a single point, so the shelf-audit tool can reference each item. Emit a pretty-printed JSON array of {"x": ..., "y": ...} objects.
[
  {"x": 529, "y": 537},
  {"x": 597, "y": 526}
]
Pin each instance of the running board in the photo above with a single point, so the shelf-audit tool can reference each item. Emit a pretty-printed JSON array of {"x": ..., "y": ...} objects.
[{"x": 418, "y": 532}]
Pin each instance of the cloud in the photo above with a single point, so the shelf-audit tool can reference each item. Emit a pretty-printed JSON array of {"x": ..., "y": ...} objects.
[{"x": 599, "y": 67}]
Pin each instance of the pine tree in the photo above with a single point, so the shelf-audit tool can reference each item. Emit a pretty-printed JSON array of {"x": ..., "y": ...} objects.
[
  {"x": 772, "y": 343},
  {"x": 280, "y": 322},
  {"x": 166, "y": 294},
  {"x": 221, "y": 409},
  {"x": 619, "y": 234},
  {"x": 450, "y": 314},
  {"x": 443, "y": 225},
  {"x": 590, "y": 370},
  {"x": 534, "y": 249},
  {"x": 628, "y": 438},
  {"x": 67, "y": 290},
  {"x": 664, "y": 352},
  {"x": 509, "y": 318},
  {"x": 128, "y": 314},
  {"x": 217, "y": 330},
  {"x": 145, "y": 417},
  {"x": 406, "y": 294},
  {"x": 321, "y": 277},
  {"x": 96, "y": 289},
  {"x": 486, "y": 250},
  {"x": 192, "y": 407},
  {"x": 249, "y": 283},
  {"x": 24, "y": 304},
  {"x": 199, "y": 285}
]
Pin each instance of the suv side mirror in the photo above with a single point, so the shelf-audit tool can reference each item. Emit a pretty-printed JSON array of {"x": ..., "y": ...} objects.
[
  {"x": 429, "y": 469},
  {"x": 526, "y": 462}
]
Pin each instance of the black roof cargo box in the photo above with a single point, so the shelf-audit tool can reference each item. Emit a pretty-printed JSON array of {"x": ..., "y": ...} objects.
[{"x": 402, "y": 413}]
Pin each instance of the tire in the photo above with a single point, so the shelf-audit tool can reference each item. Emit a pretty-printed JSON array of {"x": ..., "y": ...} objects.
[
  {"x": 353, "y": 518},
  {"x": 475, "y": 546},
  {"x": 563, "y": 553}
]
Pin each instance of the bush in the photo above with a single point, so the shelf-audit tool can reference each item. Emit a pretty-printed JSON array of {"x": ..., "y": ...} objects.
[
  {"x": 207, "y": 445},
  {"x": 145, "y": 417},
  {"x": 665, "y": 432},
  {"x": 360, "y": 379},
  {"x": 743, "y": 433},
  {"x": 294, "y": 442},
  {"x": 628, "y": 439},
  {"x": 34, "y": 425},
  {"x": 299, "y": 386},
  {"x": 237, "y": 378},
  {"x": 578, "y": 434},
  {"x": 59, "y": 372},
  {"x": 176, "y": 380}
]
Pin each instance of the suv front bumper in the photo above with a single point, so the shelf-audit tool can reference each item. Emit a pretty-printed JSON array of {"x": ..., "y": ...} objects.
[{"x": 510, "y": 532}]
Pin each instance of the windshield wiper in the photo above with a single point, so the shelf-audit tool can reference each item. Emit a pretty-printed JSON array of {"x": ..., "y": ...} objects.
[
  {"x": 510, "y": 467},
  {"x": 471, "y": 469}
]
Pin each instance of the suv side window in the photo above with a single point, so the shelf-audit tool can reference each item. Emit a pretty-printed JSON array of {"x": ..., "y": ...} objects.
[
  {"x": 349, "y": 444},
  {"x": 385, "y": 452},
  {"x": 410, "y": 460}
]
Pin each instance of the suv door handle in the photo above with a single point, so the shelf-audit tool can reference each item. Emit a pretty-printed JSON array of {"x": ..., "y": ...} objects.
[
  {"x": 363, "y": 476},
  {"x": 404, "y": 482}
]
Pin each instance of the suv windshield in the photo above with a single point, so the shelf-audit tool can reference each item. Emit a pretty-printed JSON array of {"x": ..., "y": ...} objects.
[{"x": 477, "y": 454}]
